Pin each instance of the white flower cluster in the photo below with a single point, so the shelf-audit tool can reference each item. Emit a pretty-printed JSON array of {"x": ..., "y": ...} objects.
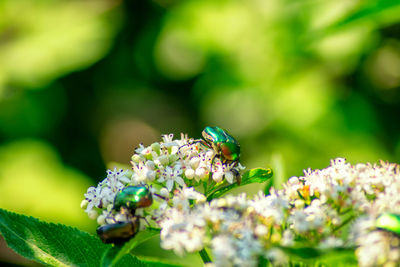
[
  {"x": 311, "y": 210},
  {"x": 184, "y": 162},
  {"x": 355, "y": 194},
  {"x": 100, "y": 199},
  {"x": 375, "y": 247},
  {"x": 164, "y": 166},
  {"x": 226, "y": 224}
]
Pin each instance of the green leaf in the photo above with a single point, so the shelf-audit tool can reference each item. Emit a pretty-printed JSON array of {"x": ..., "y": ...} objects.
[
  {"x": 328, "y": 257},
  {"x": 49, "y": 243},
  {"x": 61, "y": 245},
  {"x": 114, "y": 254},
  {"x": 268, "y": 186},
  {"x": 302, "y": 252},
  {"x": 257, "y": 175},
  {"x": 371, "y": 11},
  {"x": 130, "y": 260}
]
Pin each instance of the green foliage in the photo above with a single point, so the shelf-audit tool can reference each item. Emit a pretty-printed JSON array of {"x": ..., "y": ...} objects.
[
  {"x": 317, "y": 257},
  {"x": 48, "y": 243},
  {"x": 372, "y": 10},
  {"x": 47, "y": 39},
  {"x": 257, "y": 175},
  {"x": 300, "y": 81},
  {"x": 60, "y": 245},
  {"x": 115, "y": 253}
]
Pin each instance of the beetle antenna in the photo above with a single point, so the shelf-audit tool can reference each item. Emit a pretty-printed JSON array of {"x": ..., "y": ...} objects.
[
  {"x": 160, "y": 196},
  {"x": 144, "y": 218}
]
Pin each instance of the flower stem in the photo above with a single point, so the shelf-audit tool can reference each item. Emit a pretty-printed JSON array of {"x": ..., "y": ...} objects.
[
  {"x": 343, "y": 224},
  {"x": 204, "y": 256}
]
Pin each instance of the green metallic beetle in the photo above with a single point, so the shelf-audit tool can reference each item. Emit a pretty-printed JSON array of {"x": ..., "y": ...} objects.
[
  {"x": 223, "y": 143},
  {"x": 127, "y": 200},
  {"x": 389, "y": 222},
  {"x": 133, "y": 197},
  {"x": 119, "y": 232}
]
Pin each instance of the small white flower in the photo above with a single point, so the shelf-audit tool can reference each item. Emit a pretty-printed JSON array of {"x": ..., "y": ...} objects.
[
  {"x": 170, "y": 176},
  {"x": 200, "y": 174},
  {"x": 331, "y": 242},
  {"x": 229, "y": 177},
  {"x": 141, "y": 173},
  {"x": 218, "y": 176},
  {"x": 223, "y": 250},
  {"x": 93, "y": 197},
  {"x": 92, "y": 214},
  {"x": 189, "y": 173}
]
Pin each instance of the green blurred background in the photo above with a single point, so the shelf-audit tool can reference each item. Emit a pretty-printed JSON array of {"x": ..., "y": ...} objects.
[{"x": 83, "y": 82}]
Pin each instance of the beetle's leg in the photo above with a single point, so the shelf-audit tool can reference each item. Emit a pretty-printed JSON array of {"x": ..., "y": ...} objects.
[
  {"x": 142, "y": 217},
  {"x": 237, "y": 176},
  {"x": 191, "y": 143},
  {"x": 179, "y": 149},
  {"x": 110, "y": 217},
  {"x": 212, "y": 163},
  {"x": 160, "y": 196},
  {"x": 127, "y": 211}
]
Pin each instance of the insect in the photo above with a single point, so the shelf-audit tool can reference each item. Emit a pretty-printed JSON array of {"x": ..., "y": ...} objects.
[
  {"x": 389, "y": 222},
  {"x": 132, "y": 197},
  {"x": 119, "y": 232},
  {"x": 127, "y": 200},
  {"x": 223, "y": 144}
]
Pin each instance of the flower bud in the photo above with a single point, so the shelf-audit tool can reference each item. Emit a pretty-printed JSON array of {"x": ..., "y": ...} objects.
[
  {"x": 156, "y": 147},
  {"x": 150, "y": 164},
  {"x": 217, "y": 177},
  {"x": 92, "y": 214},
  {"x": 194, "y": 162},
  {"x": 164, "y": 192},
  {"x": 84, "y": 203},
  {"x": 151, "y": 175},
  {"x": 189, "y": 173},
  {"x": 101, "y": 220}
]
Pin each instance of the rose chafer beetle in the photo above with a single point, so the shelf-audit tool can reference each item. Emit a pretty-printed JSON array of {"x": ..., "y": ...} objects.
[
  {"x": 223, "y": 143},
  {"x": 127, "y": 200},
  {"x": 119, "y": 232},
  {"x": 133, "y": 197},
  {"x": 225, "y": 146},
  {"x": 389, "y": 222}
]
